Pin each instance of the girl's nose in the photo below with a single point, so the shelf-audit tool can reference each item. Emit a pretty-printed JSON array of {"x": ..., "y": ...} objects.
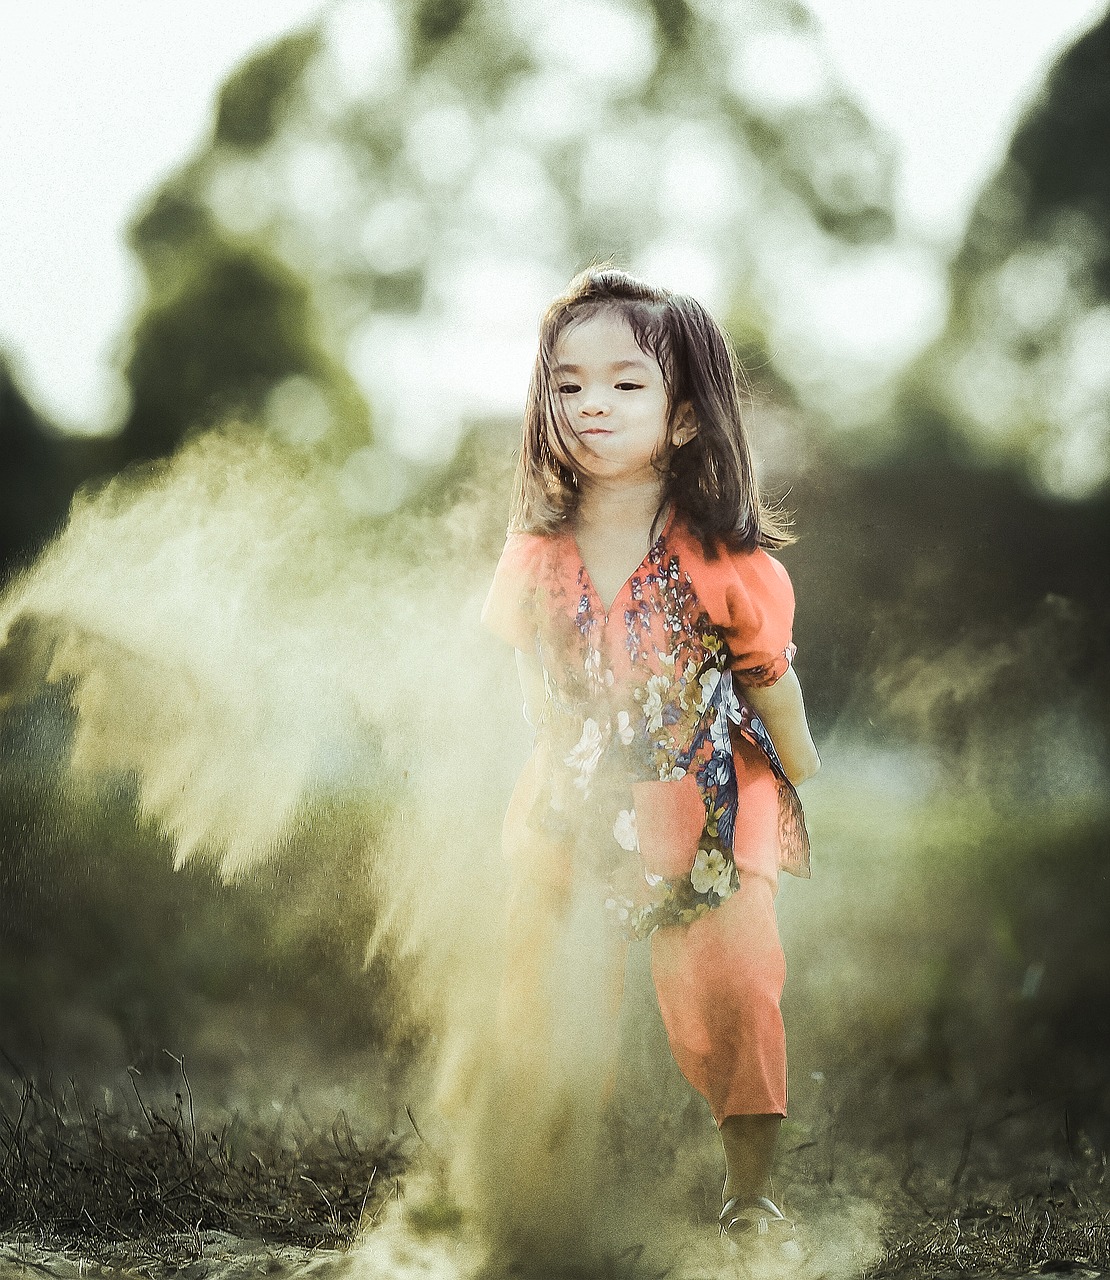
[{"x": 594, "y": 408}]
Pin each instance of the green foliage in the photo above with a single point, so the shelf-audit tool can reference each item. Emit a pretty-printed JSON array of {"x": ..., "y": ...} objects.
[
  {"x": 39, "y": 469},
  {"x": 227, "y": 321},
  {"x": 1020, "y": 370},
  {"x": 674, "y": 22},
  {"x": 474, "y": 138},
  {"x": 257, "y": 96},
  {"x": 33, "y": 496},
  {"x": 1055, "y": 160},
  {"x": 435, "y": 21}
]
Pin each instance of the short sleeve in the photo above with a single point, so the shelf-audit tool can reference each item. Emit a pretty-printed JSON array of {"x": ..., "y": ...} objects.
[
  {"x": 748, "y": 594},
  {"x": 760, "y": 602},
  {"x": 509, "y": 610}
]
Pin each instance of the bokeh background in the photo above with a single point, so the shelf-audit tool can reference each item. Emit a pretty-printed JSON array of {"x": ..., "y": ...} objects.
[{"x": 349, "y": 265}]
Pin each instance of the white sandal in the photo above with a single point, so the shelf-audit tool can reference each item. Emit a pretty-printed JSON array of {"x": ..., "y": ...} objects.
[{"x": 762, "y": 1223}]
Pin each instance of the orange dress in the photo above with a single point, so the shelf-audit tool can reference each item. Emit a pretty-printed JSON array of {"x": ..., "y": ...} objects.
[{"x": 652, "y": 775}]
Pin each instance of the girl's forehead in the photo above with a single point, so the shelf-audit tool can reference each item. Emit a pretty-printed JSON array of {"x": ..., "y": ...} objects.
[{"x": 604, "y": 337}]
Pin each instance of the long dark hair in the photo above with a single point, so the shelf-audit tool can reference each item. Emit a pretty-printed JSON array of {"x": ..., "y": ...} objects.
[{"x": 709, "y": 479}]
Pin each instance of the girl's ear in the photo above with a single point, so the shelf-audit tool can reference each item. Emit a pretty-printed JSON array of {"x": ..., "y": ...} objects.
[{"x": 685, "y": 426}]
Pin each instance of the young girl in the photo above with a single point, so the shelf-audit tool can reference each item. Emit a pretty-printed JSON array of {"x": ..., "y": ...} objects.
[{"x": 653, "y": 638}]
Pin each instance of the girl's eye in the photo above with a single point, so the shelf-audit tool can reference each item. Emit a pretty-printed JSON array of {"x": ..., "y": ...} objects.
[
  {"x": 629, "y": 386},
  {"x": 568, "y": 388}
]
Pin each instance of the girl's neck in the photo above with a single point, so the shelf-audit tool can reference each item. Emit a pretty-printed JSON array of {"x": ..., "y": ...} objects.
[{"x": 627, "y": 507}]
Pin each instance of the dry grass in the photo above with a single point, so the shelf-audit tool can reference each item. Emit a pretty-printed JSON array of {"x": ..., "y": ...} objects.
[
  {"x": 1024, "y": 1226},
  {"x": 1008, "y": 1192},
  {"x": 1050, "y": 1233},
  {"x": 966, "y": 1186},
  {"x": 153, "y": 1180}
]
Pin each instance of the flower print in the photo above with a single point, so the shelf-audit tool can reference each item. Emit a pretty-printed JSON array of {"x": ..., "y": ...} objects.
[
  {"x": 709, "y": 682},
  {"x": 624, "y": 830},
  {"x": 681, "y": 707},
  {"x": 711, "y": 873},
  {"x": 718, "y": 732},
  {"x": 620, "y": 907},
  {"x": 718, "y": 771},
  {"x": 686, "y": 679},
  {"x": 729, "y": 702},
  {"x": 657, "y": 686},
  {"x": 624, "y": 728},
  {"x": 713, "y": 817},
  {"x": 584, "y": 756}
]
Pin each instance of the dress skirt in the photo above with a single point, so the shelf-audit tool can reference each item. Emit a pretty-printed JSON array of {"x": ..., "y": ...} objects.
[{"x": 719, "y": 981}]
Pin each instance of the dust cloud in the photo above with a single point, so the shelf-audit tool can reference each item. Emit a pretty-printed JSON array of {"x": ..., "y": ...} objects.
[{"x": 239, "y": 644}]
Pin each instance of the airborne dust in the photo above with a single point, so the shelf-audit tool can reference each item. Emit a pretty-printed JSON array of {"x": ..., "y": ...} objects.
[{"x": 253, "y": 657}]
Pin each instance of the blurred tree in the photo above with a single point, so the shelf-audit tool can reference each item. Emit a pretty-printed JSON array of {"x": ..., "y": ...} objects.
[
  {"x": 1022, "y": 368},
  {"x": 433, "y": 169},
  {"x": 224, "y": 325},
  {"x": 397, "y": 191},
  {"x": 39, "y": 469},
  {"x": 387, "y": 199},
  {"x": 31, "y": 497},
  {"x": 256, "y": 97},
  {"x": 229, "y": 327}
]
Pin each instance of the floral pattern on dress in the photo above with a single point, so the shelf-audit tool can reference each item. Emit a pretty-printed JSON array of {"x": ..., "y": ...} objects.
[{"x": 652, "y": 700}]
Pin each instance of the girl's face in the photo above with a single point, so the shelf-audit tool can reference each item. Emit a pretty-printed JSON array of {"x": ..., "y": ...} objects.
[{"x": 614, "y": 400}]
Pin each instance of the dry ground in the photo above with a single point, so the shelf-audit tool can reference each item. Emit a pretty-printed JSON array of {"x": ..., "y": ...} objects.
[{"x": 1012, "y": 1190}]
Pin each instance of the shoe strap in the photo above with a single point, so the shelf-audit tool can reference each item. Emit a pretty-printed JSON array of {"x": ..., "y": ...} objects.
[{"x": 767, "y": 1213}]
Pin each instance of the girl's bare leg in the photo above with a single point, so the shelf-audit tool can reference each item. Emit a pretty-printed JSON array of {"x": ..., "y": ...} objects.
[{"x": 749, "y": 1143}]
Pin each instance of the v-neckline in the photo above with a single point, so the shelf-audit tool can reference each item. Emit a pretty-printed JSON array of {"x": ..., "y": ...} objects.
[{"x": 605, "y": 612}]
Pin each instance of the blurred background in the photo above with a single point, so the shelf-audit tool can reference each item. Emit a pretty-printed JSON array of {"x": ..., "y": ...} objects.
[{"x": 338, "y": 224}]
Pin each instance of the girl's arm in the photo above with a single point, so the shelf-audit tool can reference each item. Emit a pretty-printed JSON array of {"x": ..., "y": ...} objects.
[
  {"x": 782, "y": 711},
  {"x": 530, "y": 671}
]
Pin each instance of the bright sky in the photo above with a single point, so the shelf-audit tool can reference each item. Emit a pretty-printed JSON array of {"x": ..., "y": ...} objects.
[
  {"x": 949, "y": 79},
  {"x": 99, "y": 101}
]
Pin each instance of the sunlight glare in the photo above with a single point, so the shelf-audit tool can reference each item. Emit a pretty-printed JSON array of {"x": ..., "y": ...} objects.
[
  {"x": 469, "y": 357},
  {"x": 676, "y": 263},
  {"x": 241, "y": 193},
  {"x": 700, "y": 185},
  {"x": 365, "y": 48},
  {"x": 297, "y": 411},
  {"x": 394, "y": 234},
  {"x": 595, "y": 42},
  {"x": 779, "y": 70},
  {"x": 877, "y": 307},
  {"x": 441, "y": 143}
]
